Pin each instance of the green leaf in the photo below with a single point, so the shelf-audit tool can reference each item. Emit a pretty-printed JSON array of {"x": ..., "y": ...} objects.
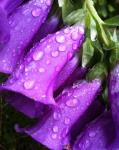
[
  {"x": 88, "y": 52},
  {"x": 114, "y": 58},
  {"x": 93, "y": 30},
  {"x": 67, "y": 7},
  {"x": 98, "y": 71},
  {"x": 98, "y": 46},
  {"x": 75, "y": 16},
  {"x": 115, "y": 37},
  {"x": 114, "y": 21}
]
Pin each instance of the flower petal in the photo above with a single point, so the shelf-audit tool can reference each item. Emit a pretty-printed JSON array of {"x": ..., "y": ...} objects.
[
  {"x": 36, "y": 76},
  {"x": 24, "y": 23}
]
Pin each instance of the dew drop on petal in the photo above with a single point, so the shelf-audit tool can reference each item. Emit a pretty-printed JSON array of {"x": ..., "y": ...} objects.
[
  {"x": 57, "y": 68},
  {"x": 66, "y": 121},
  {"x": 29, "y": 84},
  {"x": 56, "y": 116},
  {"x": 38, "y": 55},
  {"x": 48, "y": 2},
  {"x": 64, "y": 132},
  {"x": 60, "y": 38},
  {"x": 41, "y": 70},
  {"x": 66, "y": 30},
  {"x": 81, "y": 29},
  {"x": 69, "y": 55},
  {"x": 55, "y": 129},
  {"x": 54, "y": 53},
  {"x": 36, "y": 12},
  {"x": 74, "y": 36},
  {"x": 74, "y": 46},
  {"x": 47, "y": 62},
  {"x": 72, "y": 102},
  {"x": 54, "y": 136},
  {"x": 92, "y": 134},
  {"x": 62, "y": 48}
]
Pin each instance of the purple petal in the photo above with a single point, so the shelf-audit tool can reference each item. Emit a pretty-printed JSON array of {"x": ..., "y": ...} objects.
[
  {"x": 73, "y": 103},
  {"x": 10, "y": 5},
  {"x": 4, "y": 28},
  {"x": 114, "y": 94},
  {"x": 97, "y": 135},
  {"x": 26, "y": 106},
  {"x": 24, "y": 23},
  {"x": 66, "y": 72},
  {"x": 94, "y": 110},
  {"x": 48, "y": 27},
  {"x": 36, "y": 76}
]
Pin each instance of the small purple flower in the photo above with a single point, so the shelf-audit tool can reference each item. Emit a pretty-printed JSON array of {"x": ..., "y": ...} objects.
[
  {"x": 97, "y": 135},
  {"x": 36, "y": 76},
  {"x": 24, "y": 23},
  {"x": 114, "y": 96},
  {"x": 72, "y": 104}
]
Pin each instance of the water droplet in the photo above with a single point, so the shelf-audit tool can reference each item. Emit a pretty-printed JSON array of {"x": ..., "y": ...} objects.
[
  {"x": 81, "y": 29},
  {"x": 64, "y": 132},
  {"x": 74, "y": 36},
  {"x": 54, "y": 136},
  {"x": 36, "y": 12},
  {"x": 41, "y": 70},
  {"x": 62, "y": 48},
  {"x": 66, "y": 30},
  {"x": 56, "y": 116},
  {"x": 48, "y": 48},
  {"x": 60, "y": 38},
  {"x": 55, "y": 129},
  {"x": 48, "y": 2},
  {"x": 70, "y": 55},
  {"x": 92, "y": 134},
  {"x": 38, "y": 55},
  {"x": 72, "y": 102},
  {"x": 55, "y": 53},
  {"x": 67, "y": 121},
  {"x": 48, "y": 62},
  {"x": 87, "y": 143},
  {"x": 57, "y": 68},
  {"x": 75, "y": 46},
  {"x": 29, "y": 84}
]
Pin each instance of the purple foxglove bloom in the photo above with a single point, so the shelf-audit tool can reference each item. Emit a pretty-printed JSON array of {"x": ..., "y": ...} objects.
[
  {"x": 94, "y": 110},
  {"x": 72, "y": 104},
  {"x": 98, "y": 135},
  {"x": 114, "y": 96},
  {"x": 4, "y": 28},
  {"x": 26, "y": 106},
  {"x": 10, "y": 5},
  {"x": 24, "y": 23},
  {"x": 36, "y": 76}
]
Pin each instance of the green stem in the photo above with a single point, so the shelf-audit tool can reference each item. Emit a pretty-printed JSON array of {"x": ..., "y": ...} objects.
[
  {"x": 90, "y": 6},
  {"x": 94, "y": 14}
]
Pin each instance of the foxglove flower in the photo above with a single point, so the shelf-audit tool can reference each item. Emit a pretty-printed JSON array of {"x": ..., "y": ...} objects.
[
  {"x": 28, "y": 106},
  {"x": 99, "y": 134},
  {"x": 72, "y": 104},
  {"x": 24, "y": 23},
  {"x": 114, "y": 96},
  {"x": 93, "y": 111},
  {"x": 36, "y": 76}
]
